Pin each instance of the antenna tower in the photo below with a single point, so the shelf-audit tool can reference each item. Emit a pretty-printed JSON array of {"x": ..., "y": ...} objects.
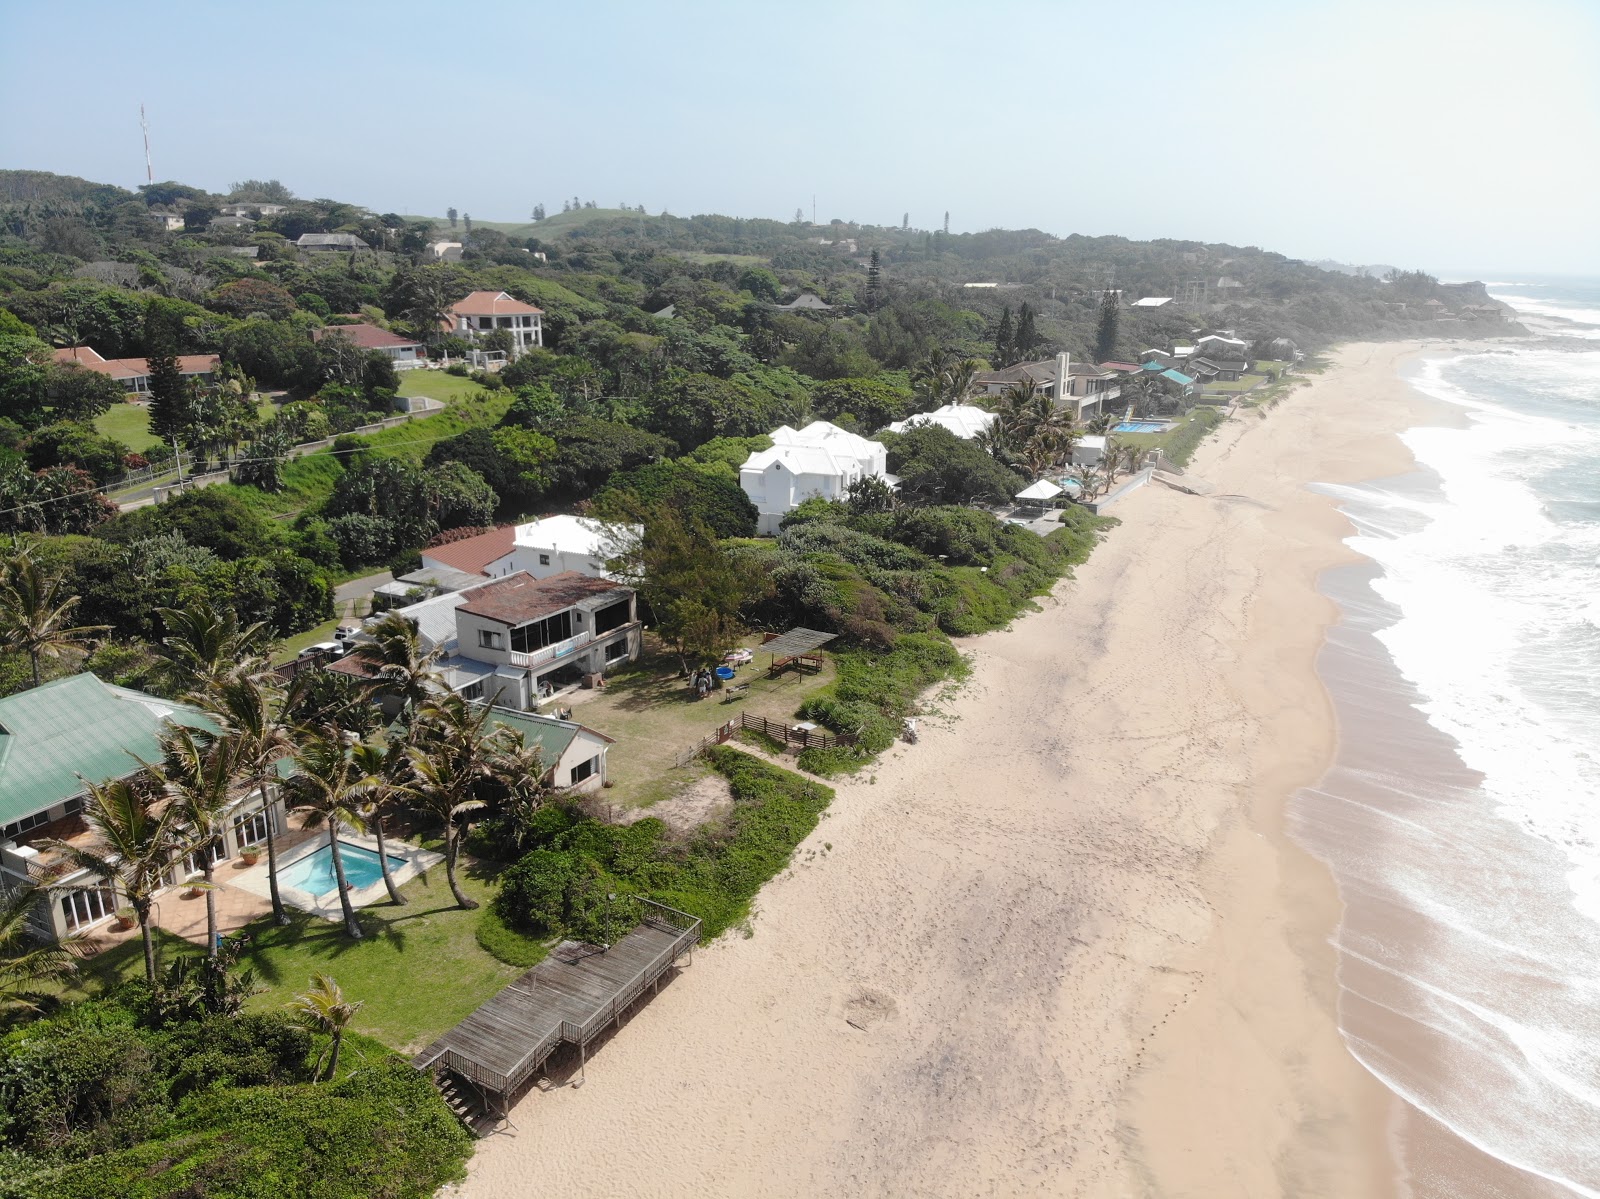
[{"x": 149, "y": 171}]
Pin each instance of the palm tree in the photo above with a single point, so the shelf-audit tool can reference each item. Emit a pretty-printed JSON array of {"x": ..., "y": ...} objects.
[
  {"x": 135, "y": 838},
  {"x": 324, "y": 786},
  {"x": 35, "y": 618},
  {"x": 197, "y": 775},
  {"x": 25, "y": 960},
  {"x": 325, "y": 1009},
  {"x": 253, "y": 713},
  {"x": 206, "y": 646},
  {"x": 452, "y": 749},
  {"x": 399, "y": 663},
  {"x": 384, "y": 770}
]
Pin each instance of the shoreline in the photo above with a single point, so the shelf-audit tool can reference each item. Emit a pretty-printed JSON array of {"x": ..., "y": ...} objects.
[{"x": 1022, "y": 955}]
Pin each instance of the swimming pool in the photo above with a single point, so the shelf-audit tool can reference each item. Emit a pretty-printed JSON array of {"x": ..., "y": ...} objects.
[
  {"x": 314, "y": 872},
  {"x": 1143, "y": 426}
]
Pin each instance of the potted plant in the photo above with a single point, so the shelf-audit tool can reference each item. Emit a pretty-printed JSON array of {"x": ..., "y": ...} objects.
[
  {"x": 124, "y": 918},
  {"x": 251, "y": 854},
  {"x": 194, "y": 886}
]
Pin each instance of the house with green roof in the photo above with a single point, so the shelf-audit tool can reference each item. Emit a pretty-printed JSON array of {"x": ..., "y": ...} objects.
[
  {"x": 52, "y": 739},
  {"x": 574, "y": 755}
]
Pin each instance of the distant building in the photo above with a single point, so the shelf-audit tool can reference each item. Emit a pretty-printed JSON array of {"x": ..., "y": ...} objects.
[
  {"x": 478, "y": 315},
  {"x": 1088, "y": 388},
  {"x": 370, "y": 337},
  {"x": 171, "y": 220},
  {"x": 445, "y": 251},
  {"x": 1152, "y": 302},
  {"x": 134, "y": 373},
  {"x": 966, "y": 421},
  {"x": 819, "y": 461},
  {"x": 331, "y": 242},
  {"x": 231, "y": 222},
  {"x": 256, "y": 210},
  {"x": 806, "y": 301}
]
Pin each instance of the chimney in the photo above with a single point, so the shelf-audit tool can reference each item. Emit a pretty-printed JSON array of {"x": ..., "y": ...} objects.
[{"x": 1063, "y": 379}]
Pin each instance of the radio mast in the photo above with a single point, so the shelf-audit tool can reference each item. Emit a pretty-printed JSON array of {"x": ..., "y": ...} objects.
[{"x": 149, "y": 171}]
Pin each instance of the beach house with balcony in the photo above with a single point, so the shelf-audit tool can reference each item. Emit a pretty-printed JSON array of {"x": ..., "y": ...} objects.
[
  {"x": 820, "y": 461},
  {"x": 517, "y": 641},
  {"x": 55, "y": 737},
  {"x": 479, "y": 314},
  {"x": 1088, "y": 389}
]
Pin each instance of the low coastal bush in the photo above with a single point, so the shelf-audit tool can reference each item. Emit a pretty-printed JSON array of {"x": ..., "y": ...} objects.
[
  {"x": 838, "y": 759},
  {"x": 876, "y": 691},
  {"x": 1186, "y": 438},
  {"x": 560, "y": 888}
]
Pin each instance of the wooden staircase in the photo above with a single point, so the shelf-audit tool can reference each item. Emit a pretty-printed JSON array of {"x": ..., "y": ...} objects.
[{"x": 468, "y": 1103}]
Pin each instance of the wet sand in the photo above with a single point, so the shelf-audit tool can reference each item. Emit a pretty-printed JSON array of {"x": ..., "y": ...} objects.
[{"x": 1062, "y": 946}]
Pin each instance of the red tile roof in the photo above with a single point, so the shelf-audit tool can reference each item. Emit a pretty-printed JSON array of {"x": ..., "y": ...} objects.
[
  {"x": 493, "y": 303},
  {"x": 522, "y": 597},
  {"x": 368, "y": 337},
  {"x": 472, "y": 554},
  {"x": 134, "y": 368}
]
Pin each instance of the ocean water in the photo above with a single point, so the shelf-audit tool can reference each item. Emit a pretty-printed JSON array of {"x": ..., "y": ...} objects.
[{"x": 1462, "y": 817}]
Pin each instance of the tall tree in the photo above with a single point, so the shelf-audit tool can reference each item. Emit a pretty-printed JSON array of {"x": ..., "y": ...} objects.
[
  {"x": 205, "y": 645},
  {"x": 197, "y": 774},
  {"x": 324, "y": 1009},
  {"x": 1004, "y": 339},
  {"x": 875, "y": 280},
  {"x": 451, "y": 750},
  {"x": 400, "y": 663},
  {"x": 947, "y": 223},
  {"x": 385, "y": 771},
  {"x": 324, "y": 787},
  {"x": 254, "y": 712},
  {"x": 905, "y": 222},
  {"x": 171, "y": 395},
  {"x": 1027, "y": 335},
  {"x": 1105, "y": 332},
  {"x": 799, "y": 216},
  {"x": 135, "y": 835},
  {"x": 35, "y": 612},
  {"x": 452, "y": 214}
]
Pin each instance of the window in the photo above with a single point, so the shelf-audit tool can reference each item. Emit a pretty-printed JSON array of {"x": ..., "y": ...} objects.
[
  {"x": 486, "y": 322},
  {"x": 194, "y": 864},
  {"x": 85, "y": 907},
  {"x": 544, "y": 559},
  {"x": 584, "y": 769},
  {"x": 472, "y": 691},
  {"x": 617, "y": 649},
  {"x": 612, "y": 616},
  {"x": 535, "y": 635},
  {"x": 17, "y": 827},
  {"x": 488, "y": 639},
  {"x": 251, "y": 829}
]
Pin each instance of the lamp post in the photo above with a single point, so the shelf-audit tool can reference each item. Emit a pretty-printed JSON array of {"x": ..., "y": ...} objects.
[{"x": 610, "y": 895}]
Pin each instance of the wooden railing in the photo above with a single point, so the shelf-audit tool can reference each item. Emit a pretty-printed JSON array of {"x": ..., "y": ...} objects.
[{"x": 793, "y": 735}]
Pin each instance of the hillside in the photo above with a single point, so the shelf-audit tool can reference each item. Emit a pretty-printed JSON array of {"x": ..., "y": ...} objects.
[{"x": 557, "y": 224}]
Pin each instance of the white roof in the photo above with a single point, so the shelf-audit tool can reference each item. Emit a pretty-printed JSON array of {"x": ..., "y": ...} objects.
[
  {"x": 964, "y": 420},
  {"x": 1092, "y": 441},
  {"x": 1151, "y": 302},
  {"x": 829, "y": 436},
  {"x": 436, "y": 617},
  {"x": 1232, "y": 341},
  {"x": 798, "y": 460},
  {"x": 1044, "y": 489},
  {"x": 570, "y": 534}
]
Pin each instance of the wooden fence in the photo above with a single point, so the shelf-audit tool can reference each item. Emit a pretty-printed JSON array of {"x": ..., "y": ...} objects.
[{"x": 776, "y": 729}]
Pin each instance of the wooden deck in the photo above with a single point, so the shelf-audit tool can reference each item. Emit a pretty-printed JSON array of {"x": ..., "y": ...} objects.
[{"x": 569, "y": 998}]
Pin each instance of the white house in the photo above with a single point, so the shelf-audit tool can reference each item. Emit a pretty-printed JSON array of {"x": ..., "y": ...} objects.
[
  {"x": 574, "y": 755},
  {"x": 482, "y": 312},
  {"x": 171, "y": 220},
  {"x": 445, "y": 251},
  {"x": 819, "y": 461},
  {"x": 554, "y": 544},
  {"x": 1088, "y": 390},
  {"x": 966, "y": 421},
  {"x": 324, "y": 242}
]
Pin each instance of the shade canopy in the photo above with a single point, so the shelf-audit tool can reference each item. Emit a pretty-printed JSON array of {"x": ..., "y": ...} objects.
[
  {"x": 797, "y": 641},
  {"x": 1044, "y": 489}
]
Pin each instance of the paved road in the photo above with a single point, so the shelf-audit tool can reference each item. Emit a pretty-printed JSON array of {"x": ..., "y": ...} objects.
[{"x": 346, "y": 594}]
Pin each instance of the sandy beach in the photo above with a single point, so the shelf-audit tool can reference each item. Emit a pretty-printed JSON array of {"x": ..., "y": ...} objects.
[{"x": 1062, "y": 946}]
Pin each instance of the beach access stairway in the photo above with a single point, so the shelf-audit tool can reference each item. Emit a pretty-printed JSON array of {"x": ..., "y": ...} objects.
[{"x": 570, "y": 998}]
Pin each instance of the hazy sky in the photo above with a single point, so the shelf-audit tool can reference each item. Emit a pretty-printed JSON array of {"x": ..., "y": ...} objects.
[{"x": 1460, "y": 135}]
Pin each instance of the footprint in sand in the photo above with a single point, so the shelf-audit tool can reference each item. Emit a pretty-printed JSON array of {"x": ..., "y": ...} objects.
[{"x": 868, "y": 1007}]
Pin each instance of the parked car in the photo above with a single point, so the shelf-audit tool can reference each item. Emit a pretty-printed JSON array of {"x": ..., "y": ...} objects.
[{"x": 326, "y": 649}]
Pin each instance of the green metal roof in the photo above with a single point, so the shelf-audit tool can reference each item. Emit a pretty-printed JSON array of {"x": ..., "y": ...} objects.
[
  {"x": 77, "y": 726},
  {"x": 551, "y": 736},
  {"x": 1177, "y": 377}
]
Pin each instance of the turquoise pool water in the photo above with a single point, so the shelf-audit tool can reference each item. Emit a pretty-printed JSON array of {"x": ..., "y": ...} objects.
[
  {"x": 1141, "y": 426},
  {"x": 314, "y": 872}
]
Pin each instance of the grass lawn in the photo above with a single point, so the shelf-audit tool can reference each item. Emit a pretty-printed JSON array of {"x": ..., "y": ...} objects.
[
  {"x": 1179, "y": 441},
  {"x": 418, "y": 971},
  {"x": 289, "y": 648},
  {"x": 438, "y": 385},
  {"x": 130, "y": 423},
  {"x": 651, "y": 713},
  {"x": 705, "y": 259}
]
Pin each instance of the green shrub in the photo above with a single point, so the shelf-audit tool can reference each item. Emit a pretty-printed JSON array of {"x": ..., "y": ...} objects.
[{"x": 838, "y": 759}]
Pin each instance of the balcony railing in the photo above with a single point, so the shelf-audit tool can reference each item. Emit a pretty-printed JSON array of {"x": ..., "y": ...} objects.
[{"x": 562, "y": 649}]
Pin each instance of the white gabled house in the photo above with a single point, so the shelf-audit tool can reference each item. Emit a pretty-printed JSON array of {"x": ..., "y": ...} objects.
[
  {"x": 821, "y": 461},
  {"x": 966, "y": 421},
  {"x": 478, "y": 315}
]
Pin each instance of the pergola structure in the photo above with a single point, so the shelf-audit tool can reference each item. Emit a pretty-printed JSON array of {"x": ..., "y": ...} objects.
[{"x": 796, "y": 648}]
